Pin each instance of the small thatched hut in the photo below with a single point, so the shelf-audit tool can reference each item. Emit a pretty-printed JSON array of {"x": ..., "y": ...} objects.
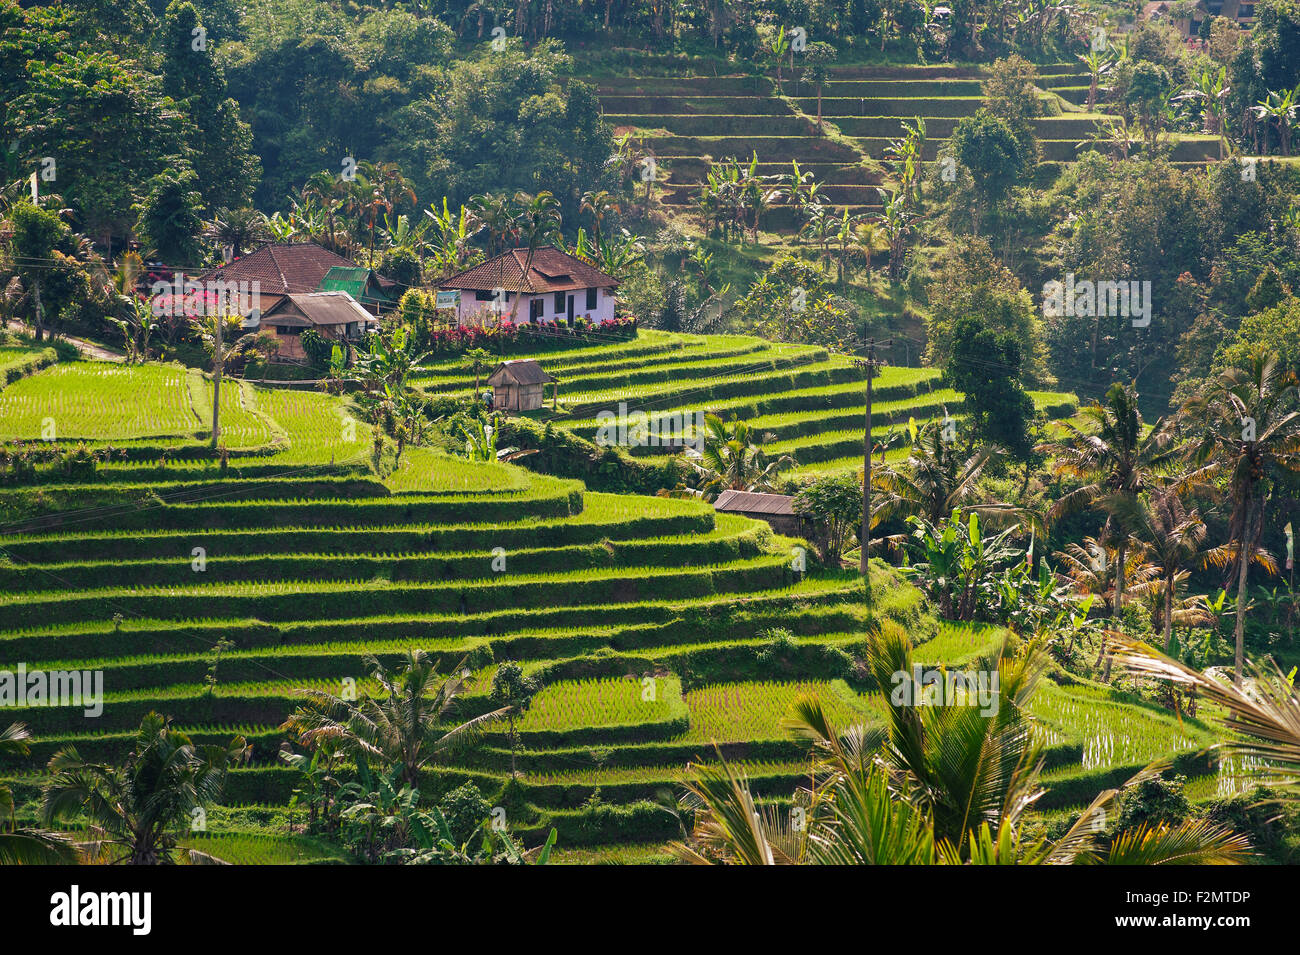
[{"x": 518, "y": 385}]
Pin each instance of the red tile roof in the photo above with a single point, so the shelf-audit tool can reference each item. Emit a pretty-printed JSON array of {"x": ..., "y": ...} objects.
[
  {"x": 551, "y": 270},
  {"x": 283, "y": 268}
]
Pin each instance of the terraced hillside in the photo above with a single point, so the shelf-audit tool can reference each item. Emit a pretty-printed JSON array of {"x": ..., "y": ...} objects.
[
  {"x": 686, "y": 121},
  {"x": 811, "y": 401},
  {"x": 649, "y": 621}
]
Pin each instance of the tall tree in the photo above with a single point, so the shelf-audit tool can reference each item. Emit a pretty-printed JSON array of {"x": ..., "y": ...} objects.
[
  {"x": 1245, "y": 433},
  {"x": 137, "y": 810},
  {"x": 1117, "y": 458},
  {"x": 220, "y": 143},
  {"x": 1170, "y": 537},
  {"x": 170, "y": 222},
  {"x": 404, "y": 725}
]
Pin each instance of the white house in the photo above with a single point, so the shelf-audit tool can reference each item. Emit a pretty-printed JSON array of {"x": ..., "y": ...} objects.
[{"x": 557, "y": 287}]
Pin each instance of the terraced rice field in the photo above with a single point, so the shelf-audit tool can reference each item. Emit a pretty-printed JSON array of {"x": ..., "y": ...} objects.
[
  {"x": 688, "y": 120},
  {"x": 810, "y": 401},
  {"x": 647, "y": 620}
]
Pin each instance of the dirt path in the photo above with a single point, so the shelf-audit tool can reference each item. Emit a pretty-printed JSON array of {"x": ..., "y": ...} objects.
[{"x": 87, "y": 349}]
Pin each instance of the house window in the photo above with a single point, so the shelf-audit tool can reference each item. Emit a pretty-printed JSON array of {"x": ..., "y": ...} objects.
[
  {"x": 559, "y": 303},
  {"x": 535, "y": 307},
  {"x": 591, "y": 299},
  {"x": 286, "y": 329}
]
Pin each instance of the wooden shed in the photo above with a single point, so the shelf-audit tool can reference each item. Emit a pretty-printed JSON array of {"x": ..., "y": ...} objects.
[
  {"x": 776, "y": 509},
  {"x": 518, "y": 385}
]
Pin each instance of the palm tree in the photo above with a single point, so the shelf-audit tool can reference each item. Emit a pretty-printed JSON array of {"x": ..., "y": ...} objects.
[
  {"x": 735, "y": 455},
  {"x": 383, "y": 189},
  {"x": 539, "y": 223},
  {"x": 1245, "y": 431},
  {"x": 846, "y": 236},
  {"x": 402, "y": 727},
  {"x": 26, "y": 845},
  {"x": 598, "y": 205},
  {"x": 865, "y": 234},
  {"x": 935, "y": 480},
  {"x": 137, "y": 810},
  {"x": 1170, "y": 537},
  {"x": 820, "y": 227},
  {"x": 239, "y": 229},
  {"x": 947, "y": 785},
  {"x": 499, "y": 217},
  {"x": 1262, "y": 734},
  {"x": 1090, "y": 564},
  {"x": 328, "y": 191},
  {"x": 960, "y": 764},
  {"x": 1118, "y": 457}
]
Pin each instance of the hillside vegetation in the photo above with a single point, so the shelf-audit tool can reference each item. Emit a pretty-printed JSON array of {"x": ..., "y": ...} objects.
[{"x": 656, "y": 627}]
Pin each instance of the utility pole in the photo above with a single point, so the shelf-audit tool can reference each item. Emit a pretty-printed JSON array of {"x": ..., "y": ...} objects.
[
  {"x": 869, "y": 365},
  {"x": 40, "y": 311},
  {"x": 217, "y": 363}
]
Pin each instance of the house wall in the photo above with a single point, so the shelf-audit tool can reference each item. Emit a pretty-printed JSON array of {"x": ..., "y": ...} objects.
[
  {"x": 504, "y": 397},
  {"x": 790, "y": 525},
  {"x": 470, "y": 311},
  {"x": 530, "y": 397},
  {"x": 290, "y": 345}
]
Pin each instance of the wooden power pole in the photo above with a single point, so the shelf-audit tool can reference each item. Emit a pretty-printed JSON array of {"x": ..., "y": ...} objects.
[
  {"x": 218, "y": 361},
  {"x": 869, "y": 365}
]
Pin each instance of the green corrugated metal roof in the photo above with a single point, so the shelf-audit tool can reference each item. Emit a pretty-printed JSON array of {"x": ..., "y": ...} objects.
[
  {"x": 355, "y": 280},
  {"x": 344, "y": 279}
]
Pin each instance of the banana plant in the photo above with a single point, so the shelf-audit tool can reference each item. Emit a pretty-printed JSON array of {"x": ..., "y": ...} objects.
[
  {"x": 400, "y": 234},
  {"x": 1280, "y": 109},
  {"x": 956, "y": 565}
]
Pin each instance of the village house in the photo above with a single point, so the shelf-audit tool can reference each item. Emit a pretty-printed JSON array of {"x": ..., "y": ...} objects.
[
  {"x": 518, "y": 385},
  {"x": 1187, "y": 16},
  {"x": 284, "y": 268},
  {"x": 555, "y": 287},
  {"x": 333, "y": 315}
]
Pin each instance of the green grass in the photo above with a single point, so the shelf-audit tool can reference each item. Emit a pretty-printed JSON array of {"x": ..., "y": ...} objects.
[
  {"x": 578, "y": 704},
  {"x": 101, "y": 402},
  {"x": 754, "y": 711},
  {"x": 309, "y": 571},
  {"x": 1110, "y": 730}
]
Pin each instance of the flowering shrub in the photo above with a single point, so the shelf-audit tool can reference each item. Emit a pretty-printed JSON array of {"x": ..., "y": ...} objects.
[{"x": 508, "y": 337}]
